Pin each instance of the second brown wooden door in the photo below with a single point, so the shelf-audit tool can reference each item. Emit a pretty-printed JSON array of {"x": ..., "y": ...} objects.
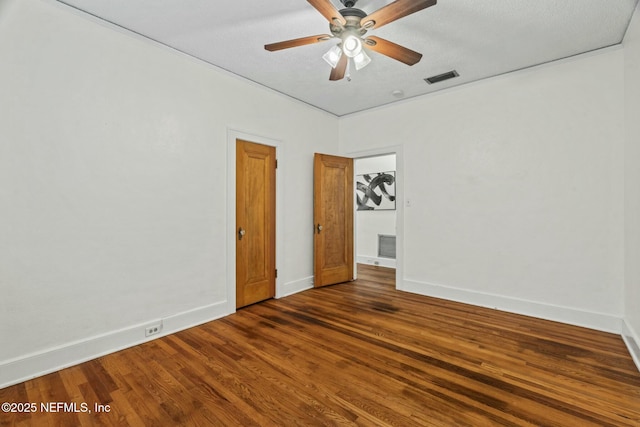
[{"x": 333, "y": 215}]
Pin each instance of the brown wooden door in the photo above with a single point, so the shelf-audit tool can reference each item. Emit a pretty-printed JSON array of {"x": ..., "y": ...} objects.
[
  {"x": 255, "y": 222},
  {"x": 333, "y": 216}
]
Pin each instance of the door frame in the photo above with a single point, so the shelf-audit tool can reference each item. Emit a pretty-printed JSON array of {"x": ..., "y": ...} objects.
[
  {"x": 232, "y": 136},
  {"x": 400, "y": 200}
]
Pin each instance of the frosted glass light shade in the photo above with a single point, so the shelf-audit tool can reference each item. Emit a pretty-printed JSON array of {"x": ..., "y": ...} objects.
[
  {"x": 333, "y": 56},
  {"x": 361, "y": 60},
  {"x": 352, "y": 46}
]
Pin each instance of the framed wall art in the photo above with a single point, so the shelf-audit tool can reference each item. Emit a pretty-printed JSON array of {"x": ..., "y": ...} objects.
[{"x": 376, "y": 191}]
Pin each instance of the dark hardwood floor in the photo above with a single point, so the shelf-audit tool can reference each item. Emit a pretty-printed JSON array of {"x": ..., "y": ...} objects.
[{"x": 352, "y": 354}]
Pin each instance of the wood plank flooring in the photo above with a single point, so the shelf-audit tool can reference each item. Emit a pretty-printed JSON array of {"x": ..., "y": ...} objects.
[{"x": 360, "y": 353}]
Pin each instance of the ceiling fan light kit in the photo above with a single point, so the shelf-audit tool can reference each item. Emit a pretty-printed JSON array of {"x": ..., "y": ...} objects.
[{"x": 350, "y": 25}]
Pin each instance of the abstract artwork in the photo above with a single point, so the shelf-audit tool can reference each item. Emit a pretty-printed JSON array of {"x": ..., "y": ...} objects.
[{"x": 376, "y": 191}]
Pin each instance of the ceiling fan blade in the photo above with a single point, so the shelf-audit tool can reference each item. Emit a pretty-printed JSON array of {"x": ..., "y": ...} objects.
[
  {"x": 392, "y": 50},
  {"x": 394, "y": 11},
  {"x": 338, "y": 72},
  {"x": 329, "y": 11},
  {"x": 297, "y": 42}
]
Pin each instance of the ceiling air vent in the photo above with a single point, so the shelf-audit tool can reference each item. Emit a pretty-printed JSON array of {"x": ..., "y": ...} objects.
[{"x": 441, "y": 77}]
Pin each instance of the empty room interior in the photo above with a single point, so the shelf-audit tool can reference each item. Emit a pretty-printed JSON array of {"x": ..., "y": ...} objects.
[{"x": 487, "y": 221}]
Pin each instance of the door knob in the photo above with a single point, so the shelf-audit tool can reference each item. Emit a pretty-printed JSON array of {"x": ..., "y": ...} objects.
[
  {"x": 241, "y": 233},
  {"x": 319, "y": 228}
]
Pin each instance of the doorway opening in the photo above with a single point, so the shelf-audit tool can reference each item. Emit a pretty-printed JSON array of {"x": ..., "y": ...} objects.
[{"x": 377, "y": 205}]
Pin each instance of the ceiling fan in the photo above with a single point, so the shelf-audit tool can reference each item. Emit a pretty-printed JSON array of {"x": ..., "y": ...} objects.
[{"x": 350, "y": 25}]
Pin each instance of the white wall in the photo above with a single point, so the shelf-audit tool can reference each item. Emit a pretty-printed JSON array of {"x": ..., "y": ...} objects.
[
  {"x": 516, "y": 188},
  {"x": 632, "y": 187},
  {"x": 371, "y": 223},
  {"x": 113, "y": 177}
]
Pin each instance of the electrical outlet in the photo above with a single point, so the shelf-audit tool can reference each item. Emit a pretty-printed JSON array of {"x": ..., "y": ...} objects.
[{"x": 153, "y": 329}]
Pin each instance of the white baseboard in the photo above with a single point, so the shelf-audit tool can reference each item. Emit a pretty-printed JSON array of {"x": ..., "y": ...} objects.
[
  {"x": 34, "y": 365},
  {"x": 294, "y": 287},
  {"x": 632, "y": 340},
  {"x": 572, "y": 316},
  {"x": 382, "y": 262}
]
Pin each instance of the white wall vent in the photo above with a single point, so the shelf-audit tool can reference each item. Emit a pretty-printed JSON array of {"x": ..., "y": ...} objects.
[{"x": 386, "y": 246}]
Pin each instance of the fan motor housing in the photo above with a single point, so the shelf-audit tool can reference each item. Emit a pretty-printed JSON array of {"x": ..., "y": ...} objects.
[{"x": 353, "y": 17}]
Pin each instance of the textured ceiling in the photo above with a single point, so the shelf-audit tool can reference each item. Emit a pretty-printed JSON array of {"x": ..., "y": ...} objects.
[{"x": 479, "y": 39}]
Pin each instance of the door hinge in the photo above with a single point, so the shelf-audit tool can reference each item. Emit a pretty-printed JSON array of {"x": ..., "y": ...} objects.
[
  {"x": 276, "y": 273},
  {"x": 276, "y": 163}
]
